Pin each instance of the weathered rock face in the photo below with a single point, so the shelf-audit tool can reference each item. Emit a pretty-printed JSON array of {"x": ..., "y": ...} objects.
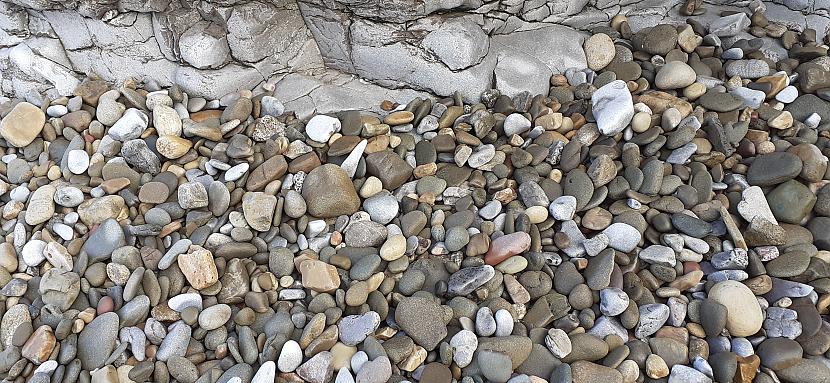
[{"x": 212, "y": 48}]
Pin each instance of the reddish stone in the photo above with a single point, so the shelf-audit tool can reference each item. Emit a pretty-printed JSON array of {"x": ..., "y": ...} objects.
[
  {"x": 507, "y": 246},
  {"x": 105, "y": 305},
  {"x": 40, "y": 345}
]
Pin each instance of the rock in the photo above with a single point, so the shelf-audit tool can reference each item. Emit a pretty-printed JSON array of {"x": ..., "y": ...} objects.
[
  {"x": 258, "y": 209},
  {"x": 390, "y": 168},
  {"x": 317, "y": 369},
  {"x": 612, "y": 107},
  {"x": 422, "y": 320},
  {"x": 558, "y": 343},
  {"x": 599, "y": 51},
  {"x": 464, "y": 344},
  {"x": 585, "y": 372},
  {"x": 563, "y": 208},
  {"x": 808, "y": 370},
  {"x": 130, "y": 126},
  {"x": 685, "y": 374},
  {"x": 107, "y": 237},
  {"x": 192, "y": 195},
  {"x": 652, "y": 317},
  {"x": 459, "y": 43},
  {"x": 214, "y": 316},
  {"x": 22, "y": 124},
  {"x": 175, "y": 342},
  {"x": 754, "y": 204},
  {"x": 290, "y": 357},
  {"x": 730, "y": 25},
  {"x": 791, "y": 202},
  {"x": 613, "y": 301},
  {"x": 321, "y": 127},
  {"x": 204, "y": 45},
  {"x": 39, "y": 346},
  {"x": 495, "y": 366},
  {"x": 675, "y": 75},
  {"x": 97, "y": 340},
  {"x": 59, "y": 287},
  {"x": 622, "y": 236},
  {"x": 744, "y": 317},
  {"x": 378, "y": 370},
  {"x": 467, "y": 280},
  {"x": 507, "y": 246},
  {"x": 382, "y": 207},
  {"x": 41, "y": 208},
  {"x": 166, "y": 121},
  {"x": 355, "y": 328},
  {"x": 329, "y": 192},
  {"x": 319, "y": 276},
  {"x": 779, "y": 353},
  {"x": 198, "y": 267}
]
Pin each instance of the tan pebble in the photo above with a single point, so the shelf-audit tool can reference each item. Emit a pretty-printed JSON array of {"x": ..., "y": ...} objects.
[
  {"x": 617, "y": 21},
  {"x": 764, "y": 147},
  {"x": 694, "y": 91},
  {"x": 537, "y": 214},
  {"x": 357, "y": 293},
  {"x": 703, "y": 145},
  {"x": 173, "y": 147},
  {"x": 656, "y": 367},
  {"x": 319, "y": 276},
  {"x": 370, "y": 187},
  {"x": 399, "y": 118},
  {"x": 341, "y": 355},
  {"x": 393, "y": 248},
  {"x": 198, "y": 267},
  {"x": 425, "y": 170},
  {"x": 375, "y": 281},
  {"x": 414, "y": 360},
  {"x": 53, "y": 173}
]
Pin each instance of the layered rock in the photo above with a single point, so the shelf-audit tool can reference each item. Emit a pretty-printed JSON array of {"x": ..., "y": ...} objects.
[{"x": 212, "y": 48}]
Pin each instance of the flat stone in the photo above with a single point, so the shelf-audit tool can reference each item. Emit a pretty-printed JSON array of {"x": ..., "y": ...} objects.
[
  {"x": 22, "y": 124},
  {"x": 422, "y": 320},
  {"x": 329, "y": 192},
  {"x": 744, "y": 317},
  {"x": 612, "y": 107},
  {"x": 97, "y": 340}
]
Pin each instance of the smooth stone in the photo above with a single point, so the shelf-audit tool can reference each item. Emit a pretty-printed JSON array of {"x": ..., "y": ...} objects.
[
  {"x": 744, "y": 316},
  {"x": 612, "y": 107}
]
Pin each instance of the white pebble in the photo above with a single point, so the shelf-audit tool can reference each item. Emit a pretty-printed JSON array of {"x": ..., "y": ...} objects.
[
  {"x": 33, "y": 252},
  {"x": 290, "y": 357},
  {"x": 266, "y": 373},
  {"x": 504, "y": 323},
  {"x": 183, "y": 301},
  {"x": 63, "y": 231},
  {"x": 321, "y": 127},
  {"x": 78, "y": 161}
]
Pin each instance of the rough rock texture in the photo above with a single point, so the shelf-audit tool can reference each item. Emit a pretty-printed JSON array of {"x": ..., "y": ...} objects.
[{"x": 213, "y": 47}]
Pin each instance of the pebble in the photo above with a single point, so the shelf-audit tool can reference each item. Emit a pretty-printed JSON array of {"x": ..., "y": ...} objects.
[
  {"x": 22, "y": 124},
  {"x": 744, "y": 317},
  {"x": 612, "y": 107},
  {"x": 675, "y": 75},
  {"x": 321, "y": 127},
  {"x": 290, "y": 357}
]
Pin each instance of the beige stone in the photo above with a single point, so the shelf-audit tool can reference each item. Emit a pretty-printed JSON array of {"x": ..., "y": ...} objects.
[
  {"x": 198, "y": 267},
  {"x": 319, "y": 276},
  {"x": 20, "y": 127},
  {"x": 173, "y": 147},
  {"x": 744, "y": 316}
]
